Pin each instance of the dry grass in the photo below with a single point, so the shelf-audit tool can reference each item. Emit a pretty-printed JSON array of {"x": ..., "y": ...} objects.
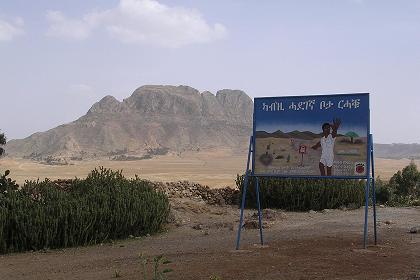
[{"x": 215, "y": 168}]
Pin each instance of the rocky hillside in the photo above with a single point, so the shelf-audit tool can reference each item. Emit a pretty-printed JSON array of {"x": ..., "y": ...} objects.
[{"x": 153, "y": 120}]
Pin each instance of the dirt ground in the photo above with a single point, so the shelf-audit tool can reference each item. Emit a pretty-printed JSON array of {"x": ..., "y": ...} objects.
[
  {"x": 215, "y": 168},
  {"x": 200, "y": 243}
]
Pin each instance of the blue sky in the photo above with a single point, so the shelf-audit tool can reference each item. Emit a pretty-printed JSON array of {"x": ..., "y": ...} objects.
[{"x": 58, "y": 57}]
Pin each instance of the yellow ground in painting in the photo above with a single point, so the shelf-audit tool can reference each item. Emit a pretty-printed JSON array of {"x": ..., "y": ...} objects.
[{"x": 285, "y": 154}]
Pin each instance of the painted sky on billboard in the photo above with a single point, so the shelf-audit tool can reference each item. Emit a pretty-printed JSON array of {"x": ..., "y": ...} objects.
[{"x": 308, "y": 112}]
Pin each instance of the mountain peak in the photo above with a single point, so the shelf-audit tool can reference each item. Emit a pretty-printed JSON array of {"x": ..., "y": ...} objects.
[
  {"x": 168, "y": 89},
  {"x": 106, "y": 104}
]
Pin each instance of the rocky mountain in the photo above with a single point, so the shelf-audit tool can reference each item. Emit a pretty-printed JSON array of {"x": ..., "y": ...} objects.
[{"x": 153, "y": 119}]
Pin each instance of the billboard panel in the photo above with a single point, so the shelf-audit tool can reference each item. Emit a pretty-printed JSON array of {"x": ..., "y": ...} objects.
[{"x": 321, "y": 135}]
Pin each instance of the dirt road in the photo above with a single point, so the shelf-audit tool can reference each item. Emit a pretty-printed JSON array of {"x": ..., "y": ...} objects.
[{"x": 200, "y": 244}]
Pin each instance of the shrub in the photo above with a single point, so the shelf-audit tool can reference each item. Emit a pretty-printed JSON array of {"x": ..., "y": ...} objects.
[
  {"x": 407, "y": 181},
  {"x": 104, "y": 206},
  {"x": 384, "y": 192},
  {"x": 2, "y": 143},
  {"x": 7, "y": 184},
  {"x": 403, "y": 189},
  {"x": 304, "y": 194}
]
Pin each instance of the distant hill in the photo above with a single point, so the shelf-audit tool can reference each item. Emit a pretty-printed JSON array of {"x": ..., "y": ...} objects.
[
  {"x": 304, "y": 135},
  {"x": 397, "y": 151},
  {"x": 153, "y": 119}
]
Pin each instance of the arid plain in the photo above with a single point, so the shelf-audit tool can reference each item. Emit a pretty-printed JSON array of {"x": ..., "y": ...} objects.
[{"x": 215, "y": 168}]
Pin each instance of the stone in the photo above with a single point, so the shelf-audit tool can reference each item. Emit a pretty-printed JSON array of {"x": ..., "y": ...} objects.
[
  {"x": 250, "y": 225},
  {"x": 198, "y": 227},
  {"x": 415, "y": 229},
  {"x": 266, "y": 215}
]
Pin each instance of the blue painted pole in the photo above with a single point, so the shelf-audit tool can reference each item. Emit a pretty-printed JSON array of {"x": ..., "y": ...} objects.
[
  {"x": 365, "y": 234},
  {"x": 257, "y": 188},
  {"x": 241, "y": 220},
  {"x": 373, "y": 189}
]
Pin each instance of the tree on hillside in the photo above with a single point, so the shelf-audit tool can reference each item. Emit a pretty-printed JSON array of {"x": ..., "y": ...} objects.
[
  {"x": 352, "y": 135},
  {"x": 2, "y": 143}
]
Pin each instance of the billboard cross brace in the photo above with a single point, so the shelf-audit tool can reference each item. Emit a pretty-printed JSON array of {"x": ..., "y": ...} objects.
[
  {"x": 257, "y": 189},
  {"x": 244, "y": 190},
  {"x": 245, "y": 186}
]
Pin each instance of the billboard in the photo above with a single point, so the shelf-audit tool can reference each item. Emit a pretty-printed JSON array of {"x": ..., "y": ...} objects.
[{"x": 317, "y": 135}]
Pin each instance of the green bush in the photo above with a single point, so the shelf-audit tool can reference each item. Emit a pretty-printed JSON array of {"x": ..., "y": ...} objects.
[
  {"x": 403, "y": 189},
  {"x": 384, "y": 193},
  {"x": 7, "y": 184},
  {"x": 104, "y": 206},
  {"x": 305, "y": 194},
  {"x": 2, "y": 143},
  {"x": 407, "y": 181}
]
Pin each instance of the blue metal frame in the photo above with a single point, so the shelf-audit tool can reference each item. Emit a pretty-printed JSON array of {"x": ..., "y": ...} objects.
[
  {"x": 257, "y": 189},
  {"x": 241, "y": 220},
  {"x": 370, "y": 168},
  {"x": 365, "y": 228},
  {"x": 373, "y": 191}
]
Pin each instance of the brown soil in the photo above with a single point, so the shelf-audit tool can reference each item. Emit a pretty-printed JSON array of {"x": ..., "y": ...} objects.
[{"x": 201, "y": 239}]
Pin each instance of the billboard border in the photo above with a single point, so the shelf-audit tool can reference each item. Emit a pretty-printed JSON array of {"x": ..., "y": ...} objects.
[{"x": 308, "y": 176}]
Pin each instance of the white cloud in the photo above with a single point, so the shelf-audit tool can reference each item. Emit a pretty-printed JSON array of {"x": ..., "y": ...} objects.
[
  {"x": 10, "y": 30},
  {"x": 82, "y": 90},
  {"x": 62, "y": 27},
  {"x": 140, "y": 21}
]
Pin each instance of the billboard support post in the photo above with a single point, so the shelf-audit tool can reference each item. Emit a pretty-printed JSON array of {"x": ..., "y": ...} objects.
[
  {"x": 365, "y": 229},
  {"x": 370, "y": 181},
  {"x": 373, "y": 189},
  {"x": 244, "y": 193}
]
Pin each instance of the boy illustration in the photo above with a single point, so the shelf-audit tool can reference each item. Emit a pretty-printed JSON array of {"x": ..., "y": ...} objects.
[{"x": 327, "y": 145}]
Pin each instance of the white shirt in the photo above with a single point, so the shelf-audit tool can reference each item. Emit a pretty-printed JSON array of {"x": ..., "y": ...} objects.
[{"x": 327, "y": 145}]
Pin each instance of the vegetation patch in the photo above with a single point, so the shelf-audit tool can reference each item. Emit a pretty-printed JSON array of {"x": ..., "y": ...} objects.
[
  {"x": 403, "y": 189},
  {"x": 304, "y": 194},
  {"x": 104, "y": 206}
]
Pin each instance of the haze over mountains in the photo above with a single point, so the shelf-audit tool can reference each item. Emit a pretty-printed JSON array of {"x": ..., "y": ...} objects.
[{"x": 162, "y": 119}]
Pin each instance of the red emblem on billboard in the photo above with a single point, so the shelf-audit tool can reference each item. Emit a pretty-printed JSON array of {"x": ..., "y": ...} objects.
[
  {"x": 360, "y": 168},
  {"x": 302, "y": 149}
]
